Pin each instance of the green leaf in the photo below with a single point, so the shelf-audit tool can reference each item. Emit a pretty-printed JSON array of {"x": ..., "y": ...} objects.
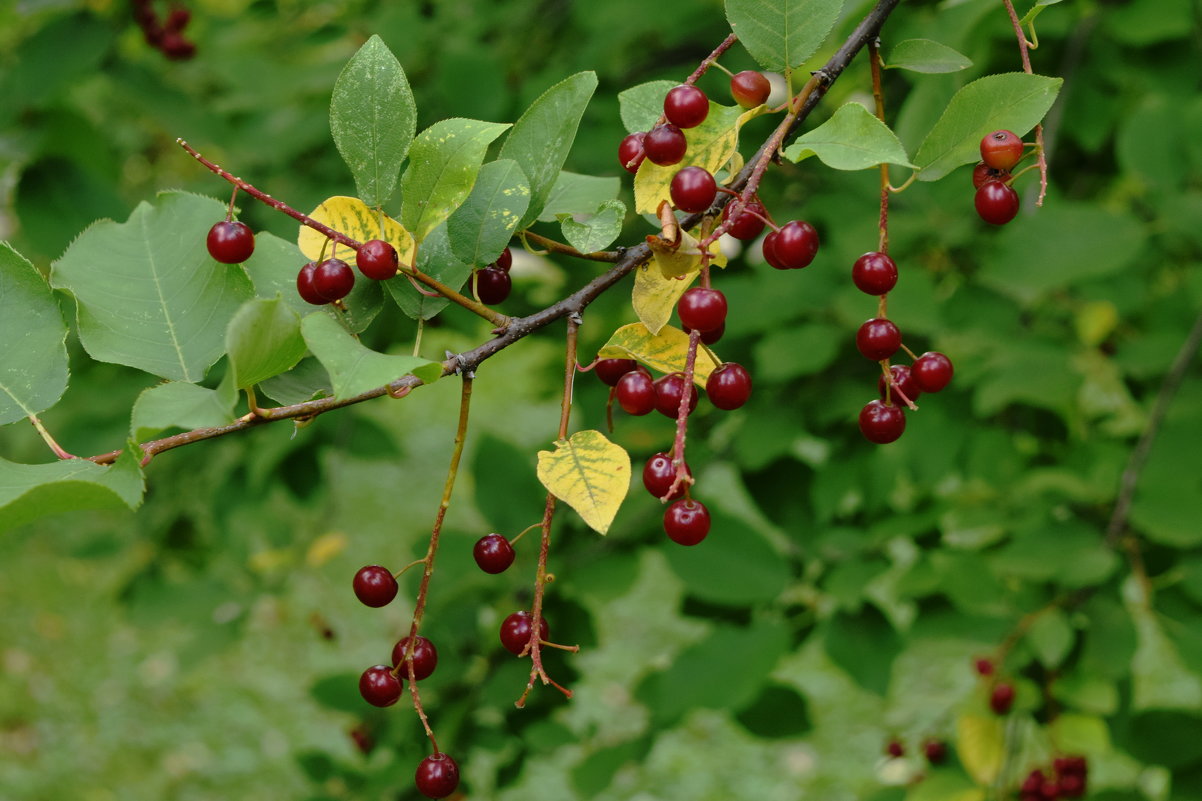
[
  {"x": 29, "y": 492},
  {"x": 373, "y": 118},
  {"x": 597, "y": 232},
  {"x": 865, "y": 646},
  {"x": 782, "y": 34},
  {"x": 578, "y": 194},
  {"x": 179, "y": 404},
  {"x": 148, "y": 294},
  {"x": 353, "y": 368},
  {"x": 1051, "y": 637},
  {"x": 925, "y": 55},
  {"x": 1159, "y": 677},
  {"x": 1014, "y": 101},
  {"x": 543, "y": 136},
  {"x": 435, "y": 258},
  {"x": 481, "y": 228},
  {"x": 443, "y": 165},
  {"x": 852, "y": 139},
  {"x": 641, "y": 106},
  {"x": 306, "y": 381},
  {"x": 735, "y": 565},
  {"x": 33, "y": 362},
  {"x": 263, "y": 340}
]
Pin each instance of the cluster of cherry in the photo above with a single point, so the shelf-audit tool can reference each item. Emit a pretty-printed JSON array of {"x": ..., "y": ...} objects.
[
  {"x": 996, "y": 200},
  {"x": 167, "y": 36}
]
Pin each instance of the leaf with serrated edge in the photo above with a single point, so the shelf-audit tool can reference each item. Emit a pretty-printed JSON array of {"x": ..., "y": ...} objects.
[
  {"x": 480, "y": 229},
  {"x": 927, "y": 56},
  {"x": 351, "y": 216},
  {"x": 178, "y": 404},
  {"x": 263, "y": 340},
  {"x": 443, "y": 164},
  {"x": 353, "y": 368},
  {"x": 1014, "y": 101},
  {"x": 33, "y": 362},
  {"x": 543, "y": 136},
  {"x": 675, "y": 261},
  {"x": 578, "y": 194},
  {"x": 29, "y": 492},
  {"x": 981, "y": 746},
  {"x": 852, "y": 139},
  {"x": 588, "y": 473},
  {"x": 373, "y": 119},
  {"x": 148, "y": 294},
  {"x": 782, "y": 34},
  {"x": 665, "y": 351},
  {"x": 598, "y": 231},
  {"x": 654, "y": 297},
  {"x": 641, "y": 106}
]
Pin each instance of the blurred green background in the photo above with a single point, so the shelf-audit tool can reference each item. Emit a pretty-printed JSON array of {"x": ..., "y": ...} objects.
[{"x": 209, "y": 646}]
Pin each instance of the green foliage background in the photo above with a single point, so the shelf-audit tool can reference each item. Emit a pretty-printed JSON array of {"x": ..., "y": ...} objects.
[{"x": 208, "y": 646}]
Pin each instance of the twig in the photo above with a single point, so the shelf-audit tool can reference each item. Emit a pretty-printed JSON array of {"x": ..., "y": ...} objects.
[{"x": 568, "y": 250}]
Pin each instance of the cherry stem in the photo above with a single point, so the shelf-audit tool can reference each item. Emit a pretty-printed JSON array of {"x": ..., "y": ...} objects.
[
  {"x": 709, "y": 60},
  {"x": 891, "y": 388},
  {"x": 49, "y": 440},
  {"x": 1026, "y": 57},
  {"x": 874, "y": 62},
  {"x": 522, "y": 533},
  {"x": 229, "y": 212},
  {"x": 909, "y": 352},
  {"x": 552, "y": 246},
  {"x": 404, "y": 569},
  {"x": 682, "y": 417}
]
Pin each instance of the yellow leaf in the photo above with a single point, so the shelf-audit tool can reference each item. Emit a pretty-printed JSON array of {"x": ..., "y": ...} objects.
[
  {"x": 325, "y": 548},
  {"x": 683, "y": 258},
  {"x": 981, "y": 744},
  {"x": 351, "y": 216},
  {"x": 1095, "y": 321},
  {"x": 588, "y": 473},
  {"x": 710, "y": 145},
  {"x": 654, "y": 297},
  {"x": 665, "y": 351}
]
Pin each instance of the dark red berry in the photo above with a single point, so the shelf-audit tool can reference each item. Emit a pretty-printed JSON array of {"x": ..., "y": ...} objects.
[
  {"x": 769, "y": 250},
  {"x": 881, "y": 423},
  {"x": 687, "y": 522},
  {"x": 1050, "y": 790},
  {"x": 665, "y": 145},
  {"x": 333, "y": 279},
  {"x": 702, "y": 309},
  {"x": 362, "y": 737},
  {"x": 1072, "y": 786},
  {"x": 878, "y": 339},
  {"x": 230, "y": 242},
  {"x": 796, "y": 244},
  {"x": 982, "y": 172},
  {"x": 874, "y": 273},
  {"x": 659, "y": 474},
  {"x": 1001, "y": 150},
  {"x": 1033, "y": 782},
  {"x": 935, "y": 751},
  {"x": 493, "y": 553},
  {"x": 984, "y": 667},
  {"x": 745, "y": 225},
  {"x": 693, "y": 189},
  {"x": 176, "y": 47},
  {"x": 895, "y": 749},
  {"x": 377, "y": 260},
  {"x": 686, "y": 106},
  {"x": 750, "y": 88},
  {"x": 437, "y": 776},
  {"x": 425, "y": 657},
  {"x": 630, "y": 151},
  {"x": 610, "y": 371},
  {"x": 709, "y": 337},
  {"x": 668, "y": 392},
  {"x": 379, "y": 687},
  {"x": 729, "y": 386},
  {"x": 492, "y": 285},
  {"x": 504, "y": 261},
  {"x": 178, "y": 19},
  {"x": 305, "y": 287},
  {"x": 932, "y": 371},
  {"x": 996, "y": 202},
  {"x": 635, "y": 392},
  {"x": 903, "y": 381},
  {"x": 1002, "y": 698},
  {"x": 374, "y": 586},
  {"x": 516, "y": 630}
]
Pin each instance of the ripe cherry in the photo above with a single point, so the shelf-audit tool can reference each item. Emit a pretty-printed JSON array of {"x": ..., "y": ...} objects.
[
  {"x": 377, "y": 259},
  {"x": 796, "y": 244},
  {"x": 745, "y": 225},
  {"x": 425, "y": 657},
  {"x": 935, "y": 751},
  {"x": 903, "y": 381},
  {"x": 493, "y": 285},
  {"x": 516, "y": 629},
  {"x": 333, "y": 279},
  {"x": 874, "y": 273},
  {"x": 687, "y": 522},
  {"x": 437, "y": 776},
  {"x": 984, "y": 667},
  {"x": 374, "y": 586},
  {"x": 996, "y": 202},
  {"x": 630, "y": 151},
  {"x": 1001, "y": 150},
  {"x": 729, "y": 386},
  {"x": 769, "y": 251},
  {"x": 305, "y": 287},
  {"x": 750, "y": 88},
  {"x": 635, "y": 392},
  {"x": 881, "y": 423},
  {"x": 895, "y": 749},
  {"x": 379, "y": 687},
  {"x": 230, "y": 242},
  {"x": 610, "y": 371},
  {"x": 668, "y": 392},
  {"x": 659, "y": 474},
  {"x": 504, "y": 261},
  {"x": 665, "y": 145},
  {"x": 932, "y": 371},
  {"x": 1002, "y": 698},
  {"x": 709, "y": 337},
  {"x": 493, "y": 553},
  {"x": 693, "y": 189},
  {"x": 1072, "y": 786},
  {"x": 982, "y": 172},
  {"x": 878, "y": 339},
  {"x": 702, "y": 309},
  {"x": 686, "y": 106}
]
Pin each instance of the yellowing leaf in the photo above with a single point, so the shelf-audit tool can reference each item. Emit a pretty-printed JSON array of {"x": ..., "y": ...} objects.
[
  {"x": 684, "y": 258},
  {"x": 980, "y": 742},
  {"x": 711, "y": 144},
  {"x": 665, "y": 351},
  {"x": 1095, "y": 321},
  {"x": 351, "y": 216},
  {"x": 588, "y": 473},
  {"x": 325, "y": 548},
  {"x": 655, "y": 297}
]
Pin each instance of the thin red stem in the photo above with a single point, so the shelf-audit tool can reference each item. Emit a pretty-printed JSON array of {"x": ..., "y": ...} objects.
[
  {"x": 1024, "y": 52},
  {"x": 682, "y": 417}
]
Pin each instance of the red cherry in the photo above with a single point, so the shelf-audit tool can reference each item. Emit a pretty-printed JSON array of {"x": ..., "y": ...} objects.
[
  {"x": 610, "y": 371},
  {"x": 878, "y": 339},
  {"x": 745, "y": 225},
  {"x": 702, "y": 309},
  {"x": 374, "y": 586},
  {"x": 665, "y": 145},
  {"x": 516, "y": 629},
  {"x": 982, "y": 172},
  {"x": 687, "y": 522},
  {"x": 1002, "y": 698},
  {"x": 425, "y": 657},
  {"x": 996, "y": 202},
  {"x": 379, "y": 687},
  {"x": 935, "y": 751},
  {"x": 377, "y": 259},
  {"x": 881, "y": 423},
  {"x": 504, "y": 261},
  {"x": 493, "y": 553},
  {"x": 333, "y": 279},
  {"x": 659, "y": 474},
  {"x": 630, "y": 151},
  {"x": 902, "y": 381},
  {"x": 796, "y": 244},
  {"x": 932, "y": 371},
  {"x": 635, "y": 392},
  {"x": 709, "y": 337},
  {"x": 230, "y": 242},
  {"x": 1001, "y": 150},
  {"x": 984, "y": 667},
  {"x": 493, "y": 285},
  {"x": 750, "y": 88},
  {"x": 693, "y": 189},
  {"x": 895, "y": 749},
  {"x": 874, "y": 273},
  {"x": 437, "y": 776},
  {"x": 305, "y": 287},
  {"x": 686, "y": 106},
  {"x": 729, "y": 386},
  {"x": 668, "y": 392},
  {"x": 769, "y": 250}
]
